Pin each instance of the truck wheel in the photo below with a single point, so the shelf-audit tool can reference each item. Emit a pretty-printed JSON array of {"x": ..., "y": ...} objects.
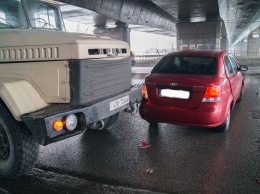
[
  {"x": 3, "y": 191},
  {"x": 110, "y": 120},
  {"x": 224, "y": 127},
  {"x": 18, "y": 150}
]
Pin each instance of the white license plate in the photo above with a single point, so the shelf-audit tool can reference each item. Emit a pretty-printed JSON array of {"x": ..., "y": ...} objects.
[
  {"x": 119, "y": 102},
  {"x": 174, "y": 93}
]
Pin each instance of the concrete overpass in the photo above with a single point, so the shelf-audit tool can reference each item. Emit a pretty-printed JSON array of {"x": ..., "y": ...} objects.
[{"x": 197, "y": 24}]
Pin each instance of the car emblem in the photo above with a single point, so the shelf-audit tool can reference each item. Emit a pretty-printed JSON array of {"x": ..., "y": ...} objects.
[{"x": 173, "y": 84}]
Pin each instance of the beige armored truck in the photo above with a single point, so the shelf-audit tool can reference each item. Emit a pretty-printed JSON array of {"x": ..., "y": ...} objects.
[{"x": 55, "y": 84}]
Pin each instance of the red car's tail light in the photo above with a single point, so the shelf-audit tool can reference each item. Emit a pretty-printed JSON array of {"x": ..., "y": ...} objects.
[
  {"x": 212, "y": 94},
  {"x": 144, "y": 92}
]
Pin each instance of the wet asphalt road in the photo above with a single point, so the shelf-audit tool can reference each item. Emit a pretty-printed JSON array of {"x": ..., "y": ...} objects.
[{"x": 179, "y": 159}]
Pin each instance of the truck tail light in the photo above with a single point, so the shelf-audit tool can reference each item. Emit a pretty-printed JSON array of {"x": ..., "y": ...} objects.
[
  {"x": 70, "y": 123},
  {"x": 57, "y": 125},
  {"x": 144, "y": 92},
  {"x": 212, "y": 94}
]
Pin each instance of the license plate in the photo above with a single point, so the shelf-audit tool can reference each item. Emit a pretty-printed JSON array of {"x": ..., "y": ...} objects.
[
  {"x": 119, "y": 102},
  {"x": 169, "y": 93}
]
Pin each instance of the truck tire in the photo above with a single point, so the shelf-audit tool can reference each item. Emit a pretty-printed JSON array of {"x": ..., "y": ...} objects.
[
  {"x": 3, "y": 191},
  {"x": 18, "y": 149}
]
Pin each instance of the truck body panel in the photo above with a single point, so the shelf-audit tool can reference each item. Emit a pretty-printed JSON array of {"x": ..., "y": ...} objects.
[
  {"x": 20, "y": 97},
  {"x": 31, "y": 45},
  {"x": 55, "y": 84},
  {"x": 40, "y": 122},
  {"x": 49, "y": 78}
]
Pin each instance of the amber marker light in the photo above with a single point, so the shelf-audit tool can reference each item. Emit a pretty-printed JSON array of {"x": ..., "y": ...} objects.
[
  {"x": 57, "y": 125},
  {"x": 144, "y": 92}
]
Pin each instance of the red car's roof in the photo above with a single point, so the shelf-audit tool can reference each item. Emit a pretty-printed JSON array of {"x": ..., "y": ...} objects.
[{"x": 208, "y": 53}]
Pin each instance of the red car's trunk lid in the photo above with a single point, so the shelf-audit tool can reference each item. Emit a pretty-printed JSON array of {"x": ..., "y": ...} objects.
[{"x": 177, "y": 90}]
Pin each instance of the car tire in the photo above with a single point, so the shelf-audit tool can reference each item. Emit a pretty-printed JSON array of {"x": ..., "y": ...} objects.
[
  {"x": 18, "y": 150},
  {"x": 153, "y": 123},
  {"x": 153, "y": 126},
  {"x": 240, "y": 96},
  {"x": 225, "y": 126}
]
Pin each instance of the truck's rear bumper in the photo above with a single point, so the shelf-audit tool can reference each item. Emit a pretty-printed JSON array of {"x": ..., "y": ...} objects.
[{"x": 40, "y": 123}]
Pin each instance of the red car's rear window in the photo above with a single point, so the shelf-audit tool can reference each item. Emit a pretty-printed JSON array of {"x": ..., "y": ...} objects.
[{"x": 187, "y": 65}]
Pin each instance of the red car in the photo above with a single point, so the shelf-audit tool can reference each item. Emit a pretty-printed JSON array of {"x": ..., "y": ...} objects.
[{"x": 193, "y": 88}]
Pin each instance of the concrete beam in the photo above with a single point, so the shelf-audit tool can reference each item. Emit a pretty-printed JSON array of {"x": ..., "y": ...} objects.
[
  {"x": 240, "y": 18},
  {"x": 130, "y": 12}
]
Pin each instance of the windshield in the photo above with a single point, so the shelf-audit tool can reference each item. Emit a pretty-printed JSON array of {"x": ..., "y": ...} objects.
[
  {"x": 12, "y": 14},
  {"x": 43, "y": 14},
  {"x": 187, "y": 65}
]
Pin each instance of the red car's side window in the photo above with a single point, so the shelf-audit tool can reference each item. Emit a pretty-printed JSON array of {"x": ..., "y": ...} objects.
[
  {"x": 229, "y": 66},
  {"x": 234, "y": 64}
]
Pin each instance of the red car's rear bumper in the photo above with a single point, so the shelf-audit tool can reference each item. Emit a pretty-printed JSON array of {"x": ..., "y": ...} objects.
[{"x": 208, "y": 114}]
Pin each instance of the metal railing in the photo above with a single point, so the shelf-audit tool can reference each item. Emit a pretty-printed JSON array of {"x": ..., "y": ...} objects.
[
  {"x": 252, "y": 55},
  {"x": 148, "y": 57}
]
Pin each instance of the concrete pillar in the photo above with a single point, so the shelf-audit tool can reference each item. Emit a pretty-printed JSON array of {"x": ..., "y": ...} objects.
[
  {"x": 241, "y": 46},
  {"x": 199, "y": 35},
  {"x": 253, "y": 44},
  {"x": 224, "y": 45},
  {"x": 120, "y": 32}
]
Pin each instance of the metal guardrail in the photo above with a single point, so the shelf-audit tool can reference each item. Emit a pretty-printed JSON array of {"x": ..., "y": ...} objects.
[
  {"x": 252, "y": 55},
  {"x": 147, "y": 70},
  {"x": 148, "y": 57}
]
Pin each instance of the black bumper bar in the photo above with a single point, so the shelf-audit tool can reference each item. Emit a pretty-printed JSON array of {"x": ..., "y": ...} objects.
[{"x": 40, "y": 123}]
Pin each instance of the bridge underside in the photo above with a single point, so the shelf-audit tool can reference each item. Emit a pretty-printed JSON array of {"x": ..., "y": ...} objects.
[{"x": 217, "y": 24}]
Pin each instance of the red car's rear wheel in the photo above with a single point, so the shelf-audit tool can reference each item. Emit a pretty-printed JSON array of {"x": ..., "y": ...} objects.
[{"x": 224, "y": 127}]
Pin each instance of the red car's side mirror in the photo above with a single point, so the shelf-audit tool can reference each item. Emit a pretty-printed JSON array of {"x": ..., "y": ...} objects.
[{"x": 243, "y": 68}]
